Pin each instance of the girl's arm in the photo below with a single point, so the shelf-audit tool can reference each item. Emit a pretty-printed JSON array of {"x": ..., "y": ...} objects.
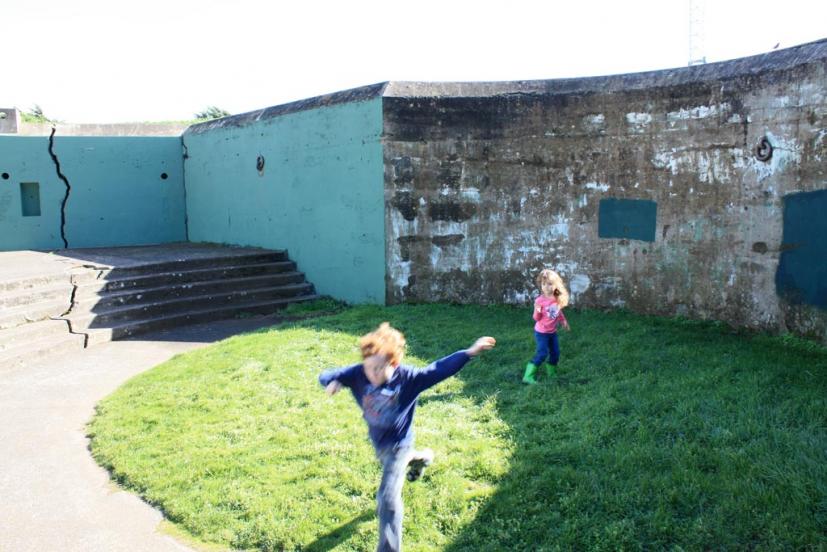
[
  {"x": 563, "y": 320},
  {"x": 446, "y": 367},
  {"x": 538, "y": 312}
]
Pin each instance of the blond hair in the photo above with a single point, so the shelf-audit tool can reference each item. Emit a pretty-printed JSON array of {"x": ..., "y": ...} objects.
[
  {"x": 560, "y": 291},
  {"x": 384, "y": 340}
]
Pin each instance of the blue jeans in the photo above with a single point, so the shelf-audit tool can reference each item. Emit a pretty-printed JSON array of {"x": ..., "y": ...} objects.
[
  {"x": 389, "y": 497},
  {"x": 547, "y": 347}
]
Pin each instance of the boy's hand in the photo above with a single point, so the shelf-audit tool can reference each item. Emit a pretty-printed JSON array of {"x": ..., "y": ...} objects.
[
  {"x": 480, "y": 345},
  {"x": 566, "y": 325},
  {"x": 333, "y": 387}
]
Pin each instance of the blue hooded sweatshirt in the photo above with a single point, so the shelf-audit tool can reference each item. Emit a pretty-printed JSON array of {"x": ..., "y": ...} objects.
[{"x": 389, "y": 408}]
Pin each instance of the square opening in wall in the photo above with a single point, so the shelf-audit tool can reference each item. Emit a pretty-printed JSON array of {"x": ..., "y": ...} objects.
[{"x": 30, "y": 198}]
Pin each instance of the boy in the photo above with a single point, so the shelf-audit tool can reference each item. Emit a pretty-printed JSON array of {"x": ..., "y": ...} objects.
[{"x": 387, "y": 394}]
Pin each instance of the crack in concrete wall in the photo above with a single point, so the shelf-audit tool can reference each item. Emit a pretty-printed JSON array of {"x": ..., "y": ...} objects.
[{"x": 68, "y": 189}]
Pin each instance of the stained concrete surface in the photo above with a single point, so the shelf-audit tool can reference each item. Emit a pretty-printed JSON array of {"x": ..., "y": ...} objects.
[{"x": 53, "y": 496}]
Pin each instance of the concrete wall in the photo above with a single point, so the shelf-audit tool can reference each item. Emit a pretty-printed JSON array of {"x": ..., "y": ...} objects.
[
  {"x": 118, "y": 194},
  {"x": 318, "y": 195},
  {"x": 9, "y": 120},
  {"x": 172, "y": 128},
  {"x": 487, "y": 183}
]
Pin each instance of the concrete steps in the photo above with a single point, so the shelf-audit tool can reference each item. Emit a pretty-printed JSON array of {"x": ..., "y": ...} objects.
[
  {"x": 34, "y": 312},
  {"x": 132, "y": 328},
  {"x": 13, "y": 337},
  {"x": 95, "y": 317},
  {"x": 95, "y": 302},
  {"x": 40, "y": 348},
  {"x": 114, "y": 280}
]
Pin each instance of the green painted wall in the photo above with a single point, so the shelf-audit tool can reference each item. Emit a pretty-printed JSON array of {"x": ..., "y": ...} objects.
[
  {"x": 118, "y": 196},
  {"x": 320, "y": 194}
]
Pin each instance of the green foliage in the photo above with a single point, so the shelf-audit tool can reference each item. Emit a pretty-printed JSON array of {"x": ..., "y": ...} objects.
[
  {"x": 323, "y": 305},
  {"x": 35, "y": 115},
  {"x": 211, "y": 112},
  {"x": 656, "y": 434}
]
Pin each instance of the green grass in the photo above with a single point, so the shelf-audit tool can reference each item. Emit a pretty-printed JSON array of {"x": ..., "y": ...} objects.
[{"x": 657, "y": 434}]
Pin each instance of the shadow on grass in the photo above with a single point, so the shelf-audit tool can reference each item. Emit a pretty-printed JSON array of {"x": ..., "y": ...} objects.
[
  {"x": 339, "y": 535},
  {"x": 657, "y": 433}
]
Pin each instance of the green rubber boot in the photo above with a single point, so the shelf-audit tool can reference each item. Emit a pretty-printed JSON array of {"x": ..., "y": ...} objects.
[
  {"x": 551, "y": 370},
  {"x": 530, "y": 370}
]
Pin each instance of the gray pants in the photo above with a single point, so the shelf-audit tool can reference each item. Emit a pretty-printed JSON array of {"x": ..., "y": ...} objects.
[{"x": 389, "y": 498}]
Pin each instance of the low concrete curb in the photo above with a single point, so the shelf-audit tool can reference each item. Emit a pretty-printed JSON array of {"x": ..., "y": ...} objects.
[{"x": 54, "y": 496}]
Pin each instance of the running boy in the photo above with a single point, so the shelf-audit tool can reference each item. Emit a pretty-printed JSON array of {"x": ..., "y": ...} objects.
[{"x": 387, "y": 394}]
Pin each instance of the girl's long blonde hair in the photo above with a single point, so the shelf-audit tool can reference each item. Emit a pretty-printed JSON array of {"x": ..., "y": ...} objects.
[{"x": 560, "y": 291}]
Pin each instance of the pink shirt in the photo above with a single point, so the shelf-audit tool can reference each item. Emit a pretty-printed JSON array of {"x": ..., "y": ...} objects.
[{"x": 551, "y": 316}]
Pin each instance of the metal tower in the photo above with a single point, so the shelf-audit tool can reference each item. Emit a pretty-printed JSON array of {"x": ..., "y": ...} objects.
[{"x": 697, "y": 14}]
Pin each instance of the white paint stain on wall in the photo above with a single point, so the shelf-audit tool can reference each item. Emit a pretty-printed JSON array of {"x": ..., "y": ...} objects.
[
  {"x": 594, "y": 122},
  {"x": 698, "y": 112},
  {"x": 597, "y": 186},
  {"x": 638, "y": 122},
  {"x": 666, "y": 159},
  {"x": 638, "y": 118},
  {"x": 710, "y": 166},
  {"x": 470, "y": 194},
  {"x": 578, "y": 284}
]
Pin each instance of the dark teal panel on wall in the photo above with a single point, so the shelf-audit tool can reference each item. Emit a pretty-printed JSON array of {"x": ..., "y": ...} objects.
[
  {"x": 634, "y": 219},
  {"x": 802, "y": 268},
  {"x": 30, "y": 199}
]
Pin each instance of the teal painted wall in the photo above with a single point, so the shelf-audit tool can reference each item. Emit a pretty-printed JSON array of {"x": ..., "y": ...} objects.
[
  {"x": 320, "y": 195},
  {"x": 118, "y": 196}
]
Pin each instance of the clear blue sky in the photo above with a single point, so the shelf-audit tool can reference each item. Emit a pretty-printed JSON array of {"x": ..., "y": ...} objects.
[{"x": 111, "y": 61}]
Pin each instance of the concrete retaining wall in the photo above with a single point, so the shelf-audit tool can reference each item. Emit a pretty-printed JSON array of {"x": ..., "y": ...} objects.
[
  {"x": 124, "y": 191},
  {"x": 655, "y": 191},
  {"x": 306, "y": 177}
]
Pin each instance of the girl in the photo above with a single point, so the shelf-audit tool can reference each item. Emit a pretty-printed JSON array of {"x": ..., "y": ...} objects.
[{"x": 548, "y": 314}]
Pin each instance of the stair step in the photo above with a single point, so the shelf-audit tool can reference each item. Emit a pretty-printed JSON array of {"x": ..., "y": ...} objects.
[
  {"x": 93, "y": 318},
  {"x": 103, "y": 300},
  {"x": 184, "y": 276},
  {"x": 194, "y": 264},
  {"x": 24, "y": 314},
  {"x": 11, "y": 337},
  {"x": 39, "y": 294},
  {"x": 35, "y": 282},
  {"x": 38, "y": 349},
  {"x": 136, "y": 327}
]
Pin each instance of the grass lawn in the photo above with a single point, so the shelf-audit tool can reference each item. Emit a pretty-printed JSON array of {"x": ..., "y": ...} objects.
[{"x": 657, "y": 434}]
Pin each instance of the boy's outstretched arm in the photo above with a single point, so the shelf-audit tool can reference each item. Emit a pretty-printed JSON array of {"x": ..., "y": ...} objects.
[
  {"x": 333, "y": 380},
  {"x": 480, "y": 345},
  {"x": 446, "y": 367}
]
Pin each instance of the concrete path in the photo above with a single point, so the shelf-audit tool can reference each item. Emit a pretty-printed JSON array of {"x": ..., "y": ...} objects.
[{"x": 53, "y": 496}]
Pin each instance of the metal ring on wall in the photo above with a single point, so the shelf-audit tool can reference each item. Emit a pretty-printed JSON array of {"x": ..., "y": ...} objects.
[{"x": 763, "y": 151}]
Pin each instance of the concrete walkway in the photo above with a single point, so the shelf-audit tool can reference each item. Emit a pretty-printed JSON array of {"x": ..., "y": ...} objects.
[{"x": 53, "y": 496}]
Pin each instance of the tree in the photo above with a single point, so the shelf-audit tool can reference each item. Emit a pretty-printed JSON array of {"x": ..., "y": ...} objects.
[
  {"x": 35, "y": 115},
  {"x": 212, "y": 112}
]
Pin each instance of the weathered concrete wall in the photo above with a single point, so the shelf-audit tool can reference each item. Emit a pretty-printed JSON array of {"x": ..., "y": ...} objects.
[
  {"x": 317, "y": 194},
  {"x": 487, "y": 183},
  {"x": 9, "y": 120},
  {"x": 123, "y": 191},
  {"x": 174, "y": 128}
]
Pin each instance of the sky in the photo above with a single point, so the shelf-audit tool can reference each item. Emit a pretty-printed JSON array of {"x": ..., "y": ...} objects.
[{"x": 104, "y": 61}]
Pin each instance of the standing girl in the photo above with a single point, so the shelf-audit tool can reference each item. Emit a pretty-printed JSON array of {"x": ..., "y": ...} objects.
[{"x": 548, "y": 314}]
